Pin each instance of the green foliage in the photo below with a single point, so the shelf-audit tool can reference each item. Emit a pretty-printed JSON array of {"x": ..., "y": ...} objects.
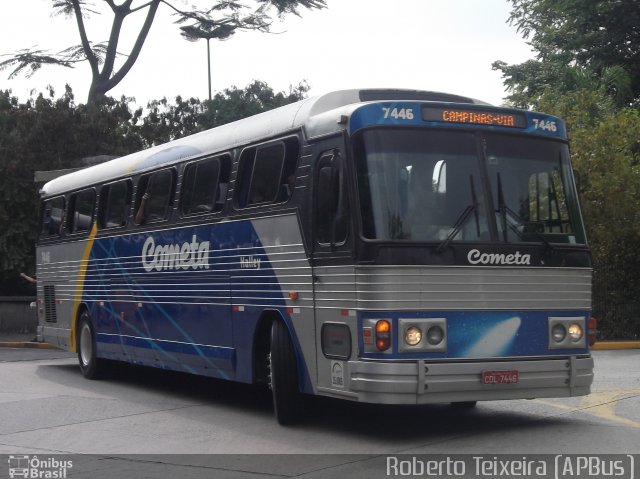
[
  {"x": 166, "y": 121},
  {"x": 47, "y": 134},
  {"x": 234, "y": 103},
  {"x": 578, "y": 43}
]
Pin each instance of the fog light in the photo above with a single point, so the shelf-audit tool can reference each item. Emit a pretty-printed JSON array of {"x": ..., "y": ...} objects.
[
  {"x": 435, "y": 335},
  {"x": 575, "y": 332},
  {"x": 412, "y": 336},
  {"x": 558, "y": 333}
]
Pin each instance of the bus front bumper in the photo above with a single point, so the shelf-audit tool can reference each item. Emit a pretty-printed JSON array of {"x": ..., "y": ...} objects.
[{"x": 422, "y": 382}]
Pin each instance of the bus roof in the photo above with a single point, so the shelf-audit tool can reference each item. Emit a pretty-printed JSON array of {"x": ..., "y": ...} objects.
[{"x": 306, "y": 114}]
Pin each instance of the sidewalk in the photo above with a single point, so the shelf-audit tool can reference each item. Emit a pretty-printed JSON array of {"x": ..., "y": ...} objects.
[{"x": 22, "y": 340}]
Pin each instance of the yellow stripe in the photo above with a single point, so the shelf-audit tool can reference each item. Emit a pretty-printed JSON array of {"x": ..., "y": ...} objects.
[
  {"x": 605, "y": 345},
  {"x": 80, "y": 286}
]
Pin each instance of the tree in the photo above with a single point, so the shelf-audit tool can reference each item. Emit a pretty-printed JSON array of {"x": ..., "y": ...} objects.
[
  {"x": 165, "y": 121},
  {"x": 233, "y": 103},
  {"x": 219, "y": 19},
  {"x": 44, "y": 133},
  {"x": 577, "y": 43}
]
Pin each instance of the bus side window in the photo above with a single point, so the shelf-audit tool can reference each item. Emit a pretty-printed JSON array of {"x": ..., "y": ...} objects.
[
  {"x": 266, "y": 173},
  {"x": 204, "y": 186},
  {"x": 114, "y": 200},
  {"x": 331, "y": 201},
  {"x": 158, "y": 187},
  {"x": 52, "y": 217},
  {"x": 81, "y": 211}
]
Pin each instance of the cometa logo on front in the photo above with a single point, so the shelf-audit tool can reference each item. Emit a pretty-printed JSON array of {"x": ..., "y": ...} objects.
[
  {"x": 476, "y": 257},
  {"x": 188, "y": 255}
]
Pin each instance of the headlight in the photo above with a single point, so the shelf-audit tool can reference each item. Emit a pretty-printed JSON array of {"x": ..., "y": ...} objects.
[
  {"x": 412, "y": 336},
  {"x": 558, "y": 333},
  {"x": 435, "y": 334},
  {"x": 575, "y": 332},
  {"x": 567, "y": 332}
]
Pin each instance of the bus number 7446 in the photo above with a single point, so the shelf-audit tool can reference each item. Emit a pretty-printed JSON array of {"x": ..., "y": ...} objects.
[{"x": 398, "y": 113}]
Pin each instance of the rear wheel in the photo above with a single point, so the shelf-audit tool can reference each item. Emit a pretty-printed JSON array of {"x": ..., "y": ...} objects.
[
  {"x": 287, "y": 399},
  {"x": 90, "y": 365}
]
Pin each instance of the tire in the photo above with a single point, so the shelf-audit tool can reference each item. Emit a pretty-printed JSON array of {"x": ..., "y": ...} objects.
[
  {"x": 287, "y": 398},
  {"x": 464, "y": 405},
  {"x": 90, "y": 365}
]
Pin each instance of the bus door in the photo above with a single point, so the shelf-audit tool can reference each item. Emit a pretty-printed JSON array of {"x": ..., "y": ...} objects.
[{"x": 333, "y": 266}]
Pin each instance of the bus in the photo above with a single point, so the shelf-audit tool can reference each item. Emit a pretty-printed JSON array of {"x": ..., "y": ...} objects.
[{"x": 384, "y": 246}]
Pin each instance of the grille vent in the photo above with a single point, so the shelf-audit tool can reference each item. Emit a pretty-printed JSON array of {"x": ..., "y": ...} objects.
[{"x": 50, "y": 303}]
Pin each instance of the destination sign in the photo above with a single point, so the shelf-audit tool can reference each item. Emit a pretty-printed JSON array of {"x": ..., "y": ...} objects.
[{"x": 474, "y": 117}]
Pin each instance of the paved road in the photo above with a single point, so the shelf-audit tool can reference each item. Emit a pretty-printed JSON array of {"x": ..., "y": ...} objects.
[{"x": 46, "y": 407}]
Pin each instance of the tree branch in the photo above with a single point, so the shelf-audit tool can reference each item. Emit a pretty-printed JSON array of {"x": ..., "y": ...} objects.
[
  {"x": 91, "y": 58},
  {"x": 137, "y": 47},
  {"x": 112, "y": 49}
]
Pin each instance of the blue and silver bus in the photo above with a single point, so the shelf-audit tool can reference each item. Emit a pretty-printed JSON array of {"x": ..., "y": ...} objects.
[{"x": 384, "y": 246}]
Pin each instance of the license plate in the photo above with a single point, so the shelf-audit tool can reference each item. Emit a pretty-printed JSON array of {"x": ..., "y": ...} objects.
[{"x": 500, "y": 377}]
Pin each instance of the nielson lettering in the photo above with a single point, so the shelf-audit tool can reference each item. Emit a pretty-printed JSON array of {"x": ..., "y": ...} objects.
[
  {"x": 193, "y": 255},
  {"x": 476, "y": 257}
]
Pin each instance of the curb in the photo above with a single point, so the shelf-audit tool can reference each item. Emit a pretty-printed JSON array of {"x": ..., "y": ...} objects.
[
  {"x": 27, "y": 344},
  {"x": 612, "y": 345}
]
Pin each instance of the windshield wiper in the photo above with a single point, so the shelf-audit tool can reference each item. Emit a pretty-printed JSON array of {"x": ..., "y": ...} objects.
[
  {"x": 503, "y": 209},
  {"x": 462, "y": 219}
]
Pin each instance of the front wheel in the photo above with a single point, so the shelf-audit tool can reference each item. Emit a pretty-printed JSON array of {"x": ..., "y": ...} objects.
[
  {"x": 91, "y": 366},
  {"x": 287, "y": 399}
]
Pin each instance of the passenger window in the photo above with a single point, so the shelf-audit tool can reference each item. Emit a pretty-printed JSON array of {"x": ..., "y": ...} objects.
[
  {"x": 204, "y": 186},
  {"x": 114, "y": 198},
  {"x": 81, "y": 211},
  {"x": 267, "y": 173},
  {"x": 267, "y": 170},
  {"x": 154, "y": 197},
  {"x": 52, "y": 217}
]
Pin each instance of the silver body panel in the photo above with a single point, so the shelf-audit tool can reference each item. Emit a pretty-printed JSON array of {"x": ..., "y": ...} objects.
[
  {"x": 411, "y": 289},
  {"x": 419, "y": 382}
]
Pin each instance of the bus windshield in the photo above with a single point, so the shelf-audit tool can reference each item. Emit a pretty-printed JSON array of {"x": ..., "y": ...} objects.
[
  {"x": 532, "y": 195},
  {"x": 426, "y": 185}
]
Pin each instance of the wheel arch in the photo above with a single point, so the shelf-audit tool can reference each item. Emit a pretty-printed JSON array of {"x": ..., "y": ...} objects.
[
  {"x": 262, "y": 344},
  {"x": 262, "y": 347},
  {"x": 82, "y": 308}
]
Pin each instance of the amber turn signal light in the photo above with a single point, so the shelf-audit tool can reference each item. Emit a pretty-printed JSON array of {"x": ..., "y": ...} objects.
[{"x": 383, "y": 335}]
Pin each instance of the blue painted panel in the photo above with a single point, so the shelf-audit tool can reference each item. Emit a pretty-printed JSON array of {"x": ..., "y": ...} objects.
[
  {"x": 486, "y": 334},
  {"x": 165, "y": 298},
  {"x": 371, "y": 115}
]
